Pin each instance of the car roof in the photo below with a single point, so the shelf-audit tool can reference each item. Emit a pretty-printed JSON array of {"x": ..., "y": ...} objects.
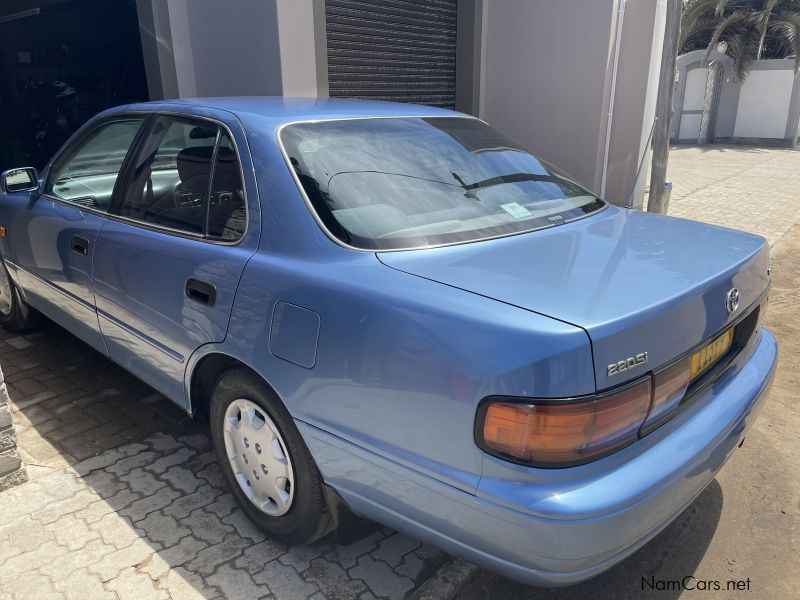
[{"x": 278, "y": 110}]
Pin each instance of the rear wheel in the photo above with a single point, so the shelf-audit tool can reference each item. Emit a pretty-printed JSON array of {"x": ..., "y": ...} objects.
[
  {"x": 15, "y": 315},
  {"x": 264, "y": 460}
]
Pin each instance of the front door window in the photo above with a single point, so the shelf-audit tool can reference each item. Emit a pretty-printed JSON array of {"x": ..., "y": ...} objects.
[{"x": 87, "y": 171}]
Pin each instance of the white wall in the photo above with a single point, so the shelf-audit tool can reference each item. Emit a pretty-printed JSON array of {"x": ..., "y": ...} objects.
[
  {"x": 236, "y": 47},
  {"x": 764, "y": 104},
  {"x": 546, "y": 86},
  {"x": 546, "y": 71}
]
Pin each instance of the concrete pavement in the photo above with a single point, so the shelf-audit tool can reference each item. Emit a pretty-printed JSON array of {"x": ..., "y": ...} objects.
[
  {"x": 126, "y": 500},
  {"x": 754, "y": 189}
]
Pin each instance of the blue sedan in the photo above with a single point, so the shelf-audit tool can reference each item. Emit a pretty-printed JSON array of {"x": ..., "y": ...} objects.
[{"x": 397, "y": 311}]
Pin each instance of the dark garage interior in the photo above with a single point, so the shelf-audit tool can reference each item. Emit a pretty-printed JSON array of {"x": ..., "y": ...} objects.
[{"x": 62, "y": 61}]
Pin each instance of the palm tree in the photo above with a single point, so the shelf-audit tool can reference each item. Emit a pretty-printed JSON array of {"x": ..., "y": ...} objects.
[{"x": 749, "y": 29}]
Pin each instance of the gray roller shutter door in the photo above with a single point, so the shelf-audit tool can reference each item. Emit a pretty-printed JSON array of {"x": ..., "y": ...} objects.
[{"x": 402, "y": 50}]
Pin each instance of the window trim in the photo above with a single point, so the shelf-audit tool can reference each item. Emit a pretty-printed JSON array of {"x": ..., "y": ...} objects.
[
  {"x": 339, "y": 242},
  {"x": 124, "y": 175}
]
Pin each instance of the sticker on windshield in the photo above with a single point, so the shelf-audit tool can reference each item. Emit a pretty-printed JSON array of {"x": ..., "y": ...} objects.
[{"x": 516, "y": 210}]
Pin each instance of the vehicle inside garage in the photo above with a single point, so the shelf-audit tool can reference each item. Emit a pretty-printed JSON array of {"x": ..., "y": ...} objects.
[{"x": 62, "y": 61}]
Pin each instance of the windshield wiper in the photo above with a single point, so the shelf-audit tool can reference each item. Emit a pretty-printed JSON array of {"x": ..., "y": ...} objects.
[
  {"x": 569, "y": 187},
  {"x": 510, "y": 178}
]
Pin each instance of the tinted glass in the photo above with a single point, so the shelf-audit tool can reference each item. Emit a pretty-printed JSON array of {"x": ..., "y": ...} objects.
[
  {"x": 88, "y": 170},
  {"x": 412, "y": 182},
  {"x": 226, "y": 213},
  {"x": 170, "y": 181}
]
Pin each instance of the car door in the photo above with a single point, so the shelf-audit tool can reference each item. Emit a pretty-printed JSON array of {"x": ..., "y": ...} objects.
[
  {"x": 54, "y": 236},
  {"x": 168, "y": 263}
]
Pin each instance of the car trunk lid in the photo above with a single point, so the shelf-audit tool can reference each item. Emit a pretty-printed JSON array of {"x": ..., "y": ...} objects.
[{"x": 636, "y": 282}]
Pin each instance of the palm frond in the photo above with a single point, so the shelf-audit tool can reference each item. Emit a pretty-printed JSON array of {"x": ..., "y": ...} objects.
[
  {"x": 730, "y": 23},
  {"x": 786, "y": 28}
]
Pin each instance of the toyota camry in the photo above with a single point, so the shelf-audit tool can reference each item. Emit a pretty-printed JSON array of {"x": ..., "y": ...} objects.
[{"x": 398, "y": 312}]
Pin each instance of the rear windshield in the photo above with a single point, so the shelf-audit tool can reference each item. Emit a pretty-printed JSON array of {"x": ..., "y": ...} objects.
[{"x": 399, "y": 183}]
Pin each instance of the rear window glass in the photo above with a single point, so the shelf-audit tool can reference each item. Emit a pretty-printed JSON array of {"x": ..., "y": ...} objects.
[{"x": 399, "y": 183}]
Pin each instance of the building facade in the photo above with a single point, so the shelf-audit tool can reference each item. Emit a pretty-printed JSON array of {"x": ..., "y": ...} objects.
[{"x": 574, "y": 80}]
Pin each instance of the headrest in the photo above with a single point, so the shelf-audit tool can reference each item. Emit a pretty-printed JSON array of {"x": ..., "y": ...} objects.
[
  {"x": 226, "y": 171},
  {"x": 194, "y": 162}
]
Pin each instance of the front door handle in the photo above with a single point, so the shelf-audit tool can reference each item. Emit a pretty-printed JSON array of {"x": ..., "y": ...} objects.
[
  {"x": 80, "y": 245},
  {"x": 201, "y": 291}
]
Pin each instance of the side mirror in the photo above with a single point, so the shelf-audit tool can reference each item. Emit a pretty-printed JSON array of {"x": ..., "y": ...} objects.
[{"x": 25, "y": 179}]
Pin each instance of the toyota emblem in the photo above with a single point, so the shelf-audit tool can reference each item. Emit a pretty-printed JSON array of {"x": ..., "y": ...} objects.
[{"x": 733, "y": 300}]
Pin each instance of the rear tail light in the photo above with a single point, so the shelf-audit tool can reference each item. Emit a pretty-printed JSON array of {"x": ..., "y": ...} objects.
[
  {"x": 564, "y": 433},
  {"x": 670, "y": 387},
  {"x": 569, "y": 432}
]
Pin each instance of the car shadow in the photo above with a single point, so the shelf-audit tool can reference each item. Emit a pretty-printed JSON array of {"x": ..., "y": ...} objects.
[
  {"x": 125, "y": 490},
  {"x": 654, "y": 571}
]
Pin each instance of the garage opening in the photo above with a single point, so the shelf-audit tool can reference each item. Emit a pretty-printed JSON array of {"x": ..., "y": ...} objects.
[
  {"x": 61, "y": 62},
  {"x": 401, "y": 50}
]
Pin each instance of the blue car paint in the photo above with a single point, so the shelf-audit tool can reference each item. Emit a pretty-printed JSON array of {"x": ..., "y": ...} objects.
[
  {"x": 294, "y": 334},
  {"x": 557, "y": 527},
  {"x": 54, "y": 273},
  {"x": 402, "y": 361},
  {"x": 150, "y": 325},
  {"x": 410, "y": 342},
  {"x": 591, "y": 274}
]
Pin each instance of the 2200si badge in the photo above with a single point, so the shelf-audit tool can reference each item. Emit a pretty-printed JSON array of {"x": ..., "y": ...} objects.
[{"x": 629, "y": 363}]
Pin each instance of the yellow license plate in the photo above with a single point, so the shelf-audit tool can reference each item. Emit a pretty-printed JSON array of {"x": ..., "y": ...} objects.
[{"x": 711, "y": 353}]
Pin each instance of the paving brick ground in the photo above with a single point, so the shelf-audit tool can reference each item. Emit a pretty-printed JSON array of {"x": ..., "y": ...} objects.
[
  {"x": 755, "y": 189},
  {"x": 126, "y": 501}
]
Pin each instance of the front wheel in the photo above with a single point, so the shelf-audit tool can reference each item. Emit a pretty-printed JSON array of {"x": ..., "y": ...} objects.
[
  {"x": 265, "y": 461},
  {"x": 15, "y": 315}
]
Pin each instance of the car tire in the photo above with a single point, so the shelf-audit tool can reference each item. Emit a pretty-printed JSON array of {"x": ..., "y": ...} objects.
[
  {"x": 307, "y": 518},
  {"x": 15, "y": 315}
]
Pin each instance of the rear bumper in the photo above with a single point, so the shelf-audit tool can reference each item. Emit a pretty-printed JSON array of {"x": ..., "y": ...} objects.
[{"x": 561, "y": 526}]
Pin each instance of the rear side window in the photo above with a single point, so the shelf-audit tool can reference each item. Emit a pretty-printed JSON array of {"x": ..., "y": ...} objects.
[
  {"x": 187, "y": 179},
  {"x": 87, "y": 171}
]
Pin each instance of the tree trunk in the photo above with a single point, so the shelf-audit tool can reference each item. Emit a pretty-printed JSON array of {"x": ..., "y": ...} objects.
[{"x": 768, "y": 9}]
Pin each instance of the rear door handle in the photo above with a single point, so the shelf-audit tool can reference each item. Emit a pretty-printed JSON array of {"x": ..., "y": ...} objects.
[
  {"x": 201, "y": 291},
  {"x": 80, "y": 245}
]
